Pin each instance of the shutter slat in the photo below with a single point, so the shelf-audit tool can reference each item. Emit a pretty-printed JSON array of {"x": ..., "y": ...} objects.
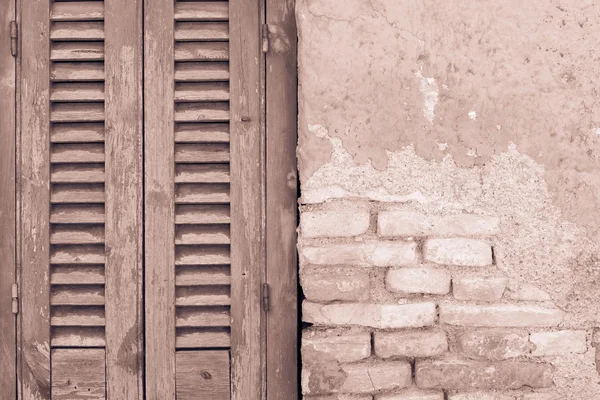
[
  {"x": 78, "y": 337},
  {"x": 77, "y": 153},
  {"x": 201, "y": 11},
  {"x": 207, "y": 173},
  {"x": 77, "y": 296},
  {"x": 202, "y": 234},
  {"x": 202, "y": 112},
  {"x": 77, "y": 274},
  {"x": 77, "y": 112},
  {"x": 77, "y": 234},
  {"x": 202, "y": 276},
  {"x": 202, "y": 214},
  {"x": 77, "y": 316},
  {"x": 202, "y": 133},
  {"x": 78, "y": 132},
  {"x": 77, "y": 214},
  {"x": 202, "y": 153},
  {"x": 77, "y": 71},
  {"x": 77, "y": 92},
  {"x": 202, "y": 193},
  {"x": 191, "y": 317},
  {"x": 202, "y": 296},
  {"x": 202, "y": 338},
  {"x": 77, "y": 51},
  {"x": 202, "y": 255},
  {"x": 82, "y": 173},
  {"x": 201, "y": 31},
  {"x": 202, "y": 91},
  {"x": 201, "y": 71},
  {"x": 201, "y": 51},
  {"x": 75, "y": 254},
  {"x": 77, "y": 193},
  {"x": 77, "y": 11},
  {"x": 77, "y": 31}
]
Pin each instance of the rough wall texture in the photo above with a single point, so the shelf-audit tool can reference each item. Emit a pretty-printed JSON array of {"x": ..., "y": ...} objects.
[{"x": 449, "y": 160}]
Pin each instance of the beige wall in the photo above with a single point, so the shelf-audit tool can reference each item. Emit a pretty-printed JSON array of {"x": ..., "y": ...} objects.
[{"x": 450, "y": 210}]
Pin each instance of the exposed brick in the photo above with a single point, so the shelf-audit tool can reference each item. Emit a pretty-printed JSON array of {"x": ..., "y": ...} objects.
[
  {"x": 493, "y": 344},
  {"x": 379, "y": 254},
  {"x": 410, "y": 344},
  {"x": 500, "y": 315},
  {"x": 418, "y": 280},
  {"x": 345, "y": 222},
  {"x": 469, "y": 375},
  {"x": 330, "y": 284},
  {"x": 558, "y": 343},
  {"x": 410, "y": 223},
  {"x": 458, "y": 251},
  {"x": 343, "y": 347},
  {"x": 363, "y": 378},
  {"x": 481, "y": 396},
  {"x": 412, "y": 394},
  {"x": 527, "y": 292},
  {"x": 382, "y": 316},
  {"x": 478, "y": 288}
]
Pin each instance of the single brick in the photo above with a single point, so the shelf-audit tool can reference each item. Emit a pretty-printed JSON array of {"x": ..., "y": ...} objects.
[
  {"x": 477, "y": 288},
  {"x": 379, "y": 254},
  {"x": 527, "y": 292},
  {"x": 412, "y": 394},
  {"x": 481, "y": 396},
  {"x": 326, "y": 285},
  {"x": 458, "y": 251},
  {"x": 382, "y": 316},
  {"x": 418, "y": 280},
  {"x": 410, "y": 344},
  {"x": 500, "y": 315},
  {"x": 472, "y": 375},
  {"x": 558, "y": 343},
  {"x": 345, "y": 222},
  {"x": 342, "y": 348},
  {"x": 322, "y": 378},
  {"x": 410, "y": 223},
  {"x": 369, "y": 378},
  {"x": 493, "y": 344}
]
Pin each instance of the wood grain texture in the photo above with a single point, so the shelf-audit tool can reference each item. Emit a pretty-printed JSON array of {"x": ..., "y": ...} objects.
[
  {"x": 8, "y": 367},
  {"x": 159, "y": 210},
  {"x": 247, "y": 199},
  {"x": 78, "y": 374},
  {"x": 282, "y": 202},
  {"x": 203, "y": 373},
  {"x": 35, "y": 196},
  {"x": 123, "y": 69}
]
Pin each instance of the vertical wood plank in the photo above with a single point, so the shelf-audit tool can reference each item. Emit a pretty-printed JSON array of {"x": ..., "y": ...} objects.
[
  {"x": 8, "y": 367},
  {"x": 78, "y": 374},
  {"x": 282, "y": 202},
  {"x": 123, "y": 158},
  {"x": 247, "y": 199},
  {"x": 159, "y": 207},
  {"x": 35, "y": 168}
]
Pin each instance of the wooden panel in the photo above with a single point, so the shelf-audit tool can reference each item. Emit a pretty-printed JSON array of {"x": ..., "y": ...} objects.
[
  {"x": 8, "y": 342},
  {"x": 35, "y": 197},
  {"x": 123, "y": 65},
  {"x": 205, "y": 372},
  {"x": 78, "y": 374},
  {"x": 282, "y": 204},
  {"x": 159, "y": 210},
  {"x": 247, "y": 197}
]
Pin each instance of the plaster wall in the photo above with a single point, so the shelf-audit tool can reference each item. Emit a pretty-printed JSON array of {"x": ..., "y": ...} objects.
[{"x": 444, "y": 111}]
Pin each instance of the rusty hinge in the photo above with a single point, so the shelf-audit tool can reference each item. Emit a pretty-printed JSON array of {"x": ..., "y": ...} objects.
[
  {"x": 14, "y": 38},
  {"x": 15, "y": 298},
  {"x": 265, "y": 38},
  {"x": 266, "y": 296}
]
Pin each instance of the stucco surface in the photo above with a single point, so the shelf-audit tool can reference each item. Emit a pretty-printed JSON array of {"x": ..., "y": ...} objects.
[
  {"x": 480, "y": 107},
  {"x": 458, "y": 78}
]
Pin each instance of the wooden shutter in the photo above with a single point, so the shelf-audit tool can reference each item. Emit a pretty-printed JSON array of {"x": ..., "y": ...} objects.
[
  {"x": 204, "y": 193},
  {"x": 81, "y": 199}
]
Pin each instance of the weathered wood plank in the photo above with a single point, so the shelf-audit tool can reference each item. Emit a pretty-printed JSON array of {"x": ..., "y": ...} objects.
[
  {"x": 77, "y": 112},
  {"x": 75, "y": 133},
  {"x": 202, "y": 296},
  {"x": 202, "y": 255},
  {"x": 202, "y": 153},
  {"x": 202, "y": 214},
  {"x": 247, "y": 198},
  {"x": 77, "y": 91},
  {"x": 77, "y": 254},
  {"x": 78, "y": 374},
  {"x": 77, "y": 274},
  {"x": 206, "y": 173},
  {"x": 77, "y": 316},
  {"x": 35, "y": 198},
  {"x": 77, "y": 214},
  {"x": 80, "y": 336},
  {"x": 202, "y": 91},
  {"x": 77, "y": 51},
  {"x": 77, "y": 153},
  {"x": 124, "y": 213},
  {"x": 159, "y": 77},
  {"x": 77, "y": 193},
  {"x": 201, "y": 11},
  {"x": 202, "y": 112},
  {"x": 75, "y": 31},
  {"x": 78, "y": 173},
  {"x": 77, "y": 11},
  {"x": 202, "y": 338},
  {"x": 77, "y": 234},
  {"x": 199, "y": 276},
  {"x": 202, "y": 133},
  {"x": 70, "y": 295},
  {"x": 8, "y": 367},
  {"x": 201, "y": 31},
  {"x": 281, "y": 208},
  {"x": 202, "y": 51},
  {"x": 205, "y": 372},
  {"x": 77, "y": 71},
  {"x": 193, "y": 317},
  {"x": 201, "y": 71}
]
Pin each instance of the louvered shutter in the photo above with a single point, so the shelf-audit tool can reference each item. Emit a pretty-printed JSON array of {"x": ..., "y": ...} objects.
[
  {"x": 204, "y": 189},
  {"x": 81, "y": 199}
]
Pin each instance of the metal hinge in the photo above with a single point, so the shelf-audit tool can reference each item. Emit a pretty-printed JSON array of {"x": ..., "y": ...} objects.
[
  {"x": 265, "y": 38},
  {"x": 14, "y": 38},
  {"x": 266, "y": 296},
  {"x": 15, "y": 298}
]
